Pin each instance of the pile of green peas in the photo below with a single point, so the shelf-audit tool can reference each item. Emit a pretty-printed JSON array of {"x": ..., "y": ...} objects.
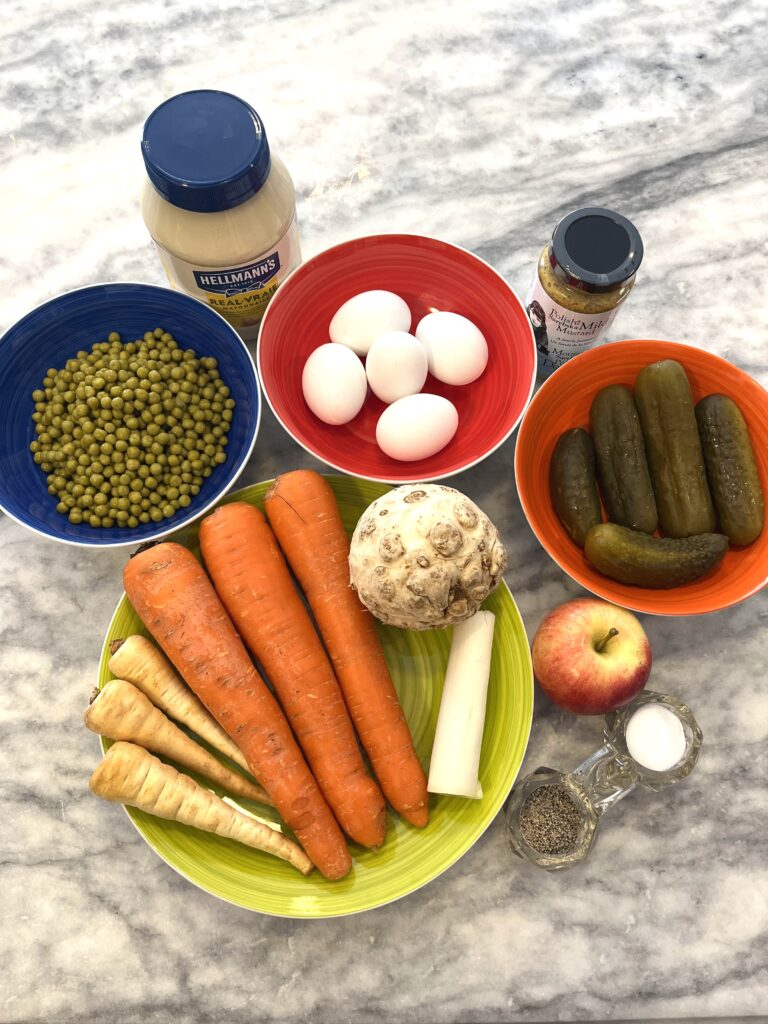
[{"x": 127, "y": 433}]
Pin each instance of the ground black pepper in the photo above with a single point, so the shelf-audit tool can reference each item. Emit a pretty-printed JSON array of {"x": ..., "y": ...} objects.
[{"x": 550, "y": 820}]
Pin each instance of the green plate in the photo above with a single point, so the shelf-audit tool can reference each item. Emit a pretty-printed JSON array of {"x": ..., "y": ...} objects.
[{"x": 410, "y": 857}]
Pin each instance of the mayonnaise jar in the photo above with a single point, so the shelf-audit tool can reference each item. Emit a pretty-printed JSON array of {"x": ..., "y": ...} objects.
[{"x": 221, "y": 209}]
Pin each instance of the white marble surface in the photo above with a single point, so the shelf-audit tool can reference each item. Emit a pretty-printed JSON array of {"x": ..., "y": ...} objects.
[{"x": 483, "y": 123}]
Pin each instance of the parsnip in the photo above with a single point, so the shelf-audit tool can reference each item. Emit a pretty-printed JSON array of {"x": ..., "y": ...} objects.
[
  {"x": 128, "y": 774},
  {"x": 141, "y": 663},
  {"x": 459, "y": 735},
  {"x": 122, "y": 712}
]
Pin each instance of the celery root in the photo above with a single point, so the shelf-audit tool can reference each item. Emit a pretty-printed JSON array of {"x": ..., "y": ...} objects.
[
  {"x": 128, "y": 774},
  {"x": 141, "y": 663},
  {"x": 459, "y": 735},
  {"x": 122, "y": 712}
]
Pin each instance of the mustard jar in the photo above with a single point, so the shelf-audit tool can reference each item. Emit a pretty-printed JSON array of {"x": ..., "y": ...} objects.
[{"x": 583, "y": 276}]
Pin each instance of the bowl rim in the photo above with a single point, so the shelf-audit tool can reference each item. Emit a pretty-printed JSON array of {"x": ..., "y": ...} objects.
[
  {"x": 638, "y": 605},
  {"x": 414, "y": 477},
  {"x": 165, "y": 531}
]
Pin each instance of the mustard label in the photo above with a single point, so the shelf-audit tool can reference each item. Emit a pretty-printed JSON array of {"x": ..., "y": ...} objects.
[
  {"x": 562, "y": 333},
  {"x": 240, "y": 293}
]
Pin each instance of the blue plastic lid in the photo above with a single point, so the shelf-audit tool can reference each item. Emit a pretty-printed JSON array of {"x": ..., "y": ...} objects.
[{"x": 205, "y": 150}]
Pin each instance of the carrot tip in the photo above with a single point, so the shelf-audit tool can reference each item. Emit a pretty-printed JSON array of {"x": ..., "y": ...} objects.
[{"x": 416, "y": 816}]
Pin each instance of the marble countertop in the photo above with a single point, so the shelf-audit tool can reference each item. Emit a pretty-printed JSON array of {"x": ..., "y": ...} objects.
[{"x": 481, "y": 123}]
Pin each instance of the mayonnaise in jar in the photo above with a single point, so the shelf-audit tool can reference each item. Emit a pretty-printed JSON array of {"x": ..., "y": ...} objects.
[{"x": 221, "y": 209}]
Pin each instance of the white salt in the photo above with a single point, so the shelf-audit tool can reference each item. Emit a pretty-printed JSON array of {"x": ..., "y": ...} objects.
[{"x": 655, "y": 737}]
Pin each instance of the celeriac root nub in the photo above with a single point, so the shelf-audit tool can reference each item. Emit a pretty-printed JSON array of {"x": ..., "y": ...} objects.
[
  {"x": 141, "y": 663},
  {"x": 122, "y": 712},
  {"x": 128, "y": 774},
  {"x": 459, "y": 734}
]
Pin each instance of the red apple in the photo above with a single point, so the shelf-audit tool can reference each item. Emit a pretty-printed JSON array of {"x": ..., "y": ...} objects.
[{"x": 590, "y": 656}]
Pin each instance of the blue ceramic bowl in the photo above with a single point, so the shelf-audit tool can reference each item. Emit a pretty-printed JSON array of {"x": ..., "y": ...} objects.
[{"x": 53, "y": 333}]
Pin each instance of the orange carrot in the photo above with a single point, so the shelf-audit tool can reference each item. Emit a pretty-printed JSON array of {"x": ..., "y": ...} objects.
[
  {"x": 302, "y": 510},
  {"x": 249, "y": 573},
  {"x": 176, "y": 601}
]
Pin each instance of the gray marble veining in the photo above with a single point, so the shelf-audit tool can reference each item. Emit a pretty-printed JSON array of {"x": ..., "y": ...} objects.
[{"x": 482, "y": 123}]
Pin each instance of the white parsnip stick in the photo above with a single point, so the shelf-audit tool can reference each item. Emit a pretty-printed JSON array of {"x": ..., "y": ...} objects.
[
  {"x": 128, "y": 774},
  {"x": 141, "y": 663},
  {"x": 121, "y": 711}
]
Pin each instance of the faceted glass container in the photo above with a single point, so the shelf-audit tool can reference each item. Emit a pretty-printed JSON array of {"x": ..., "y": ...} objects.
[{"x": 604, "y": 778}]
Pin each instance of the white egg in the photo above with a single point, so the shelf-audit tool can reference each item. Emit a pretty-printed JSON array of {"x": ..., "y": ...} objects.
[
  {"x": 456, "y": 350},
  {"x": 396, "y": 366},
  {"x": 360, "y": 321},
  {"x": 416, "y": 427},
  {"x": 334, "y": 384}
]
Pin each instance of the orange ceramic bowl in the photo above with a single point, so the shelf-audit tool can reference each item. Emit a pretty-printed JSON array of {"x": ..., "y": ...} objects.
[{"x": 563, "y": 401}]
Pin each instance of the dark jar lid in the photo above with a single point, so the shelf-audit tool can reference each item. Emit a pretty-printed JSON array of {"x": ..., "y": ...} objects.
[
  {"x": 205, "y": 150},
  {"x": 595, "y": 249}
]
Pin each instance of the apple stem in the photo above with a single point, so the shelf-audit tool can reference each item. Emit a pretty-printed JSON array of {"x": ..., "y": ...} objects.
[{"x": 600, "y": 645}]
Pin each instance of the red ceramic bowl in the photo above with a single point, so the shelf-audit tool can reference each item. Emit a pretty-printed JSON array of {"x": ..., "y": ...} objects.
[
  {"x": 563, "y": 402},
  {"x": 428, "y": 274}
]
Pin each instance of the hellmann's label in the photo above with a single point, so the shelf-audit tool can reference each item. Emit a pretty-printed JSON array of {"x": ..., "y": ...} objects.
[
  {"x": 561, "y": 333},
  {"x": 237, "y": 280},
  {"x": 241, "y": 293}
]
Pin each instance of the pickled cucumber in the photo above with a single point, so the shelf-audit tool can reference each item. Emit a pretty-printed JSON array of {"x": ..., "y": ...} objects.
[
  {"x": 573, "y": 484},
  {"x": 639, "y": 560},
  {"x": 731, "y": 468},
  {"x": 675, "y": 459},
  {"x": 622, "y": 468}
]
